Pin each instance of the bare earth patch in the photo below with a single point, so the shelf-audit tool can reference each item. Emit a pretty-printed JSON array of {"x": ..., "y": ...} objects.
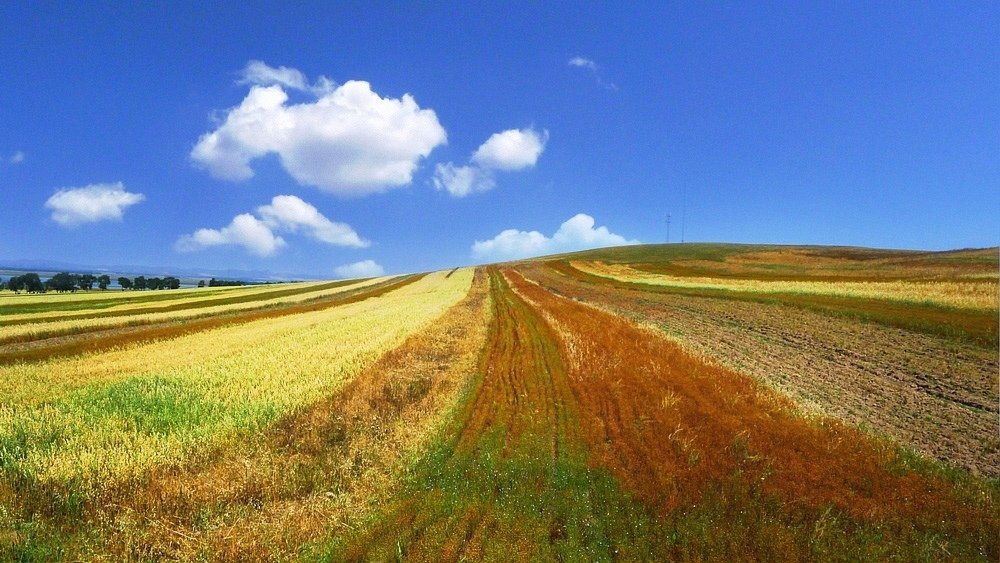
[{"x": 936, "y": 395}]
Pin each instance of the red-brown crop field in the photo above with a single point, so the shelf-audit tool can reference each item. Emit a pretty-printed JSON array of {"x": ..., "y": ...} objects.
[{"x": 652, "y": 403}]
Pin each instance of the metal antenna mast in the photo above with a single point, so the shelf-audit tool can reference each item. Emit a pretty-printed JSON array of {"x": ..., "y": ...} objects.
[{"x": 668, "y": 228}]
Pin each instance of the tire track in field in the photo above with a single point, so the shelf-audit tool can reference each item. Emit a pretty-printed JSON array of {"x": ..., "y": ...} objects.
[
  {"x": 89, "y": 342},
  {"x": 510, "y": 478},
  {"x": 524, "y": 389}
]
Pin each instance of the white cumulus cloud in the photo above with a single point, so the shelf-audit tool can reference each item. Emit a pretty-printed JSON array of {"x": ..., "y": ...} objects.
[
  {"x": 285, "y": 214},
  {"x": 513, "y": 149},
  {"x": 289, "y": 213},
  {"x": 349, "y": 141},
  {"x": 245, "y": 230},
  {"x": 578, "y": 233},
  {"x": 90, "y": 204},
  {"x": 363, "y": 269}
]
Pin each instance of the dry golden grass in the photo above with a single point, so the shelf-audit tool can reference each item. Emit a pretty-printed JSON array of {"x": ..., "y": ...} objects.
[
  {"x": 49, "y": 304},
  {"x": 35, "y": 326},
  {"x": 109, "y": 304},
  {"x": 9, "y": 299},
  {"x": 855, "y": 263},
  {"x": 115, "y": 415},
  {"x": 314, "y": 474}
]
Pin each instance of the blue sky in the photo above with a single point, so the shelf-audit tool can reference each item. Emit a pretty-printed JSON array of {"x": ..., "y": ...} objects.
[{"x": 351, "y": 138}]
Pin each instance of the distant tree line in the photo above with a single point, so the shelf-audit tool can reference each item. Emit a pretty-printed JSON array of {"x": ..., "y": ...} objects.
[
  {"x": 142, "y": 282},
  {"x": 26, "y": 282},
  {"x": 221, "y": 283},
  {"x": 67, "y": 282}
]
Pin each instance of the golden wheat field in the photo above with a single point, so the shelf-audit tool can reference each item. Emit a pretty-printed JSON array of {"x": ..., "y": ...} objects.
[{"x": 648, "y": 403}]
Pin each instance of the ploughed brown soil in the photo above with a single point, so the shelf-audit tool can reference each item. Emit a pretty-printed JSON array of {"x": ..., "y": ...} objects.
[{"x": 935, "y": 394}]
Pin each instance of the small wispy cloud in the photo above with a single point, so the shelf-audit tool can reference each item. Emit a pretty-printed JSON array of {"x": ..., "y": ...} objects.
[
  {"x": 258, "y": 73},
  {"x": 461, "y": 181},
  {"x": 290, "y": 214},
  {"x": 16, "y": 158},
  {"x": 582, "y": 62},
  {"x": 514, "y": 149},
  {"x": 594, "y": 68},
  {"x": 245, "y": 230}
]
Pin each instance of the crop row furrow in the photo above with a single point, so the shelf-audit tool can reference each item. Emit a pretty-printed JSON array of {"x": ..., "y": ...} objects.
[
  {"x": 180, "y": 302},
  {"x": 509, "y": 480}
]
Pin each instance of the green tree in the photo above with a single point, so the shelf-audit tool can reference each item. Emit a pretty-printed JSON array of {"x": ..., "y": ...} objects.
[
  {"x": 63, "y": 282},
  {"x": 172, "y": 283},
  {"x": 125, "y": 283},
  {"x": 86, "y": 282},
  {"x": 140, "y": 282},
  {"x": 103, "y": 281},
  {"x": 201, "y": 283},
  {"x": 33, "y": 283}
]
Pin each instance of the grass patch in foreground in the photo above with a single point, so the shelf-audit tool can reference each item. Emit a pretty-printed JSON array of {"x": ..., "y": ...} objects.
[{"x": 484, "y": 504}]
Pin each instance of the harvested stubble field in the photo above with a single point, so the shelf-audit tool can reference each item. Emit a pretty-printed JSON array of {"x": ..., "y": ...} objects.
[{"x": 584, "y": 407}]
